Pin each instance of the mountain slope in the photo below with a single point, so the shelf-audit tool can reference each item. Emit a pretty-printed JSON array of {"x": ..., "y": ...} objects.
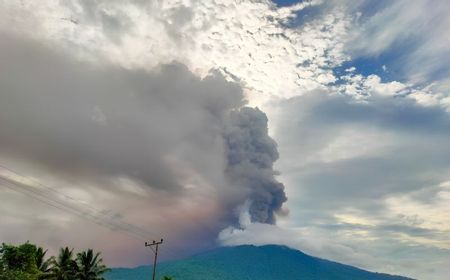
[{"x": 247, "y": 262}]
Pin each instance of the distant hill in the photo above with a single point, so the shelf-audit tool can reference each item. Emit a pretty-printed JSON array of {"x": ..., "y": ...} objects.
[{"x": 248, "y": 262}]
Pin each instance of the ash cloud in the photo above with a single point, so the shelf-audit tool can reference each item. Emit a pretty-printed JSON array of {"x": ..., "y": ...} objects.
[
  {"x": 188, "y": 141},
  {"x": 96, "y": 121},
  {"x": 251, "y": 153}
]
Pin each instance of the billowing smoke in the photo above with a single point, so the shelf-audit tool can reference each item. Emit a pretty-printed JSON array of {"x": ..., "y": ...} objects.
[
  {"x": 100, "y": 122},
  {"x": 251, "y": 153},
  {"x": 184, "y": 144}
]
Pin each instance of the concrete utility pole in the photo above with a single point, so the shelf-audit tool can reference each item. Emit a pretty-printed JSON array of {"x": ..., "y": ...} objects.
[{"x": 154, "y": 243}]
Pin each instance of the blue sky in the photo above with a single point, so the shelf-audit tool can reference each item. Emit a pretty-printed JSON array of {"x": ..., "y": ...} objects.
[
  {"x": 383, "y": 64},
  {"x": 286, "y": 2},
  {"x": 147, "y": 110}
]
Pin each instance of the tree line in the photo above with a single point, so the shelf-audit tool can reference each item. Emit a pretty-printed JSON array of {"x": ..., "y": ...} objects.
[{"x": 29, "y": 262}]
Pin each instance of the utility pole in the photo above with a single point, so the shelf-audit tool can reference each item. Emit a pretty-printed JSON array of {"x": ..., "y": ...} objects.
[{"x": 154, "y": 243}]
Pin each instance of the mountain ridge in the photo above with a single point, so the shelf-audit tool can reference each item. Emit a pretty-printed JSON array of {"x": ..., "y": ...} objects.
[{"x": 251, "y": 262}]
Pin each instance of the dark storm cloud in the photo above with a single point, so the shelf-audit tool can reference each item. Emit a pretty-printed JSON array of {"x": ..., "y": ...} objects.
[{"x": 161, "y": 128}]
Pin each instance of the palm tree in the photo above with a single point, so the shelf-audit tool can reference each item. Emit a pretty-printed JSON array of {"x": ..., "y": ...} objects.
[
  {"x": 64, "y": 267},
  {"x": 43, "y": 265},
  {"x": 90, "y": 266}
]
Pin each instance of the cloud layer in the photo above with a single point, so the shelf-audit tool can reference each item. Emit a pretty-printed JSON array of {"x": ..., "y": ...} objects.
[
  {"x": 363, "y": 167},
  {"x": 247, "y": 41},
  {"x": 161, "y": 134},
  {"x": 363, "y": 151}
]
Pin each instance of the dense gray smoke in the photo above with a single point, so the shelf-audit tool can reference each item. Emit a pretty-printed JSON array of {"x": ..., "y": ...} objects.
[
  {"x": 251, "y": 153},
  {"x": 176, "y": 135},
  {"x": 100, "y": 122}
]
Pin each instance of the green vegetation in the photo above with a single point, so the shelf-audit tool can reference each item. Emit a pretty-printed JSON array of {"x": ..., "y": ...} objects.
[
  {"x": 251, "y": 263},
  {"x": 29, "y": 262},
  {"x": 90, "y": 266}
]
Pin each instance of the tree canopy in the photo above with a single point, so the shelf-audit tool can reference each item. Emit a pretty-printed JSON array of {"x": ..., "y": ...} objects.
[{"x": 29, "y": 262}]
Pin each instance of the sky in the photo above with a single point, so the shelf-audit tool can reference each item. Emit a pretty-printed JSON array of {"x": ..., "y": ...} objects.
[{"x": 321, "y": 125}]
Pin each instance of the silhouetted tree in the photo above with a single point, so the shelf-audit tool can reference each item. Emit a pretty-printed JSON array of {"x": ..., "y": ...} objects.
[
  {"x": 44, "y": 265},
  {"x": 64, "y": 267},
  {"x": 90, "y": 266}
]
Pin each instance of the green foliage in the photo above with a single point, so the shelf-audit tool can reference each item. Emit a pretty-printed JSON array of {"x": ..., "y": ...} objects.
[
  {"x": 167, "y": 278},
  {"x": 42, "y": 264},
  {"x": 90, "y": 266},
  {"x": 18, "y": 275},
  {"x": 22, "y": 258},
  {"x": 18, "y": 262},
  {"x": 64, "y": 267},
  {"x": 28, "y": 262}
]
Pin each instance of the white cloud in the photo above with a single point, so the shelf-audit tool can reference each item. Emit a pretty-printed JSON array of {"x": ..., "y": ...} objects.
[
  {"x": 366, "y": 175},
  {"x": 356, "y": 239},
  {"x": 352, "y": 143},
  {"x": 250, "y": 42},
  {"x": 310, "y": 241},
  {"x": 430, "y": 214},
  {"x": 418, "y": 28},
  {"x": 246, "y": 40},
  {"x": 362, "y": 87}
]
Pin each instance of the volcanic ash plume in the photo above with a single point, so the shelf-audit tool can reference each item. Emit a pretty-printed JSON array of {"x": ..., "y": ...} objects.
[
  {"x": 251, "y": 153},
  {"x": 159, "y": 143}
]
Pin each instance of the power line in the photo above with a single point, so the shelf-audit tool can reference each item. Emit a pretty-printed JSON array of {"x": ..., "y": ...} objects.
[
  {"x": 97, "y": 213},
  {"x": 97, "y": 218},
  {"x": 63, "y": 207},
  {"x": 46, "y": 194},
  {"x": 17, "y": 188}
]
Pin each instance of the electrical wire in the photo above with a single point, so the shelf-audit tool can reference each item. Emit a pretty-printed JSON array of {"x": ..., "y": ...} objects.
[{"x": 96, "y": 216}]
